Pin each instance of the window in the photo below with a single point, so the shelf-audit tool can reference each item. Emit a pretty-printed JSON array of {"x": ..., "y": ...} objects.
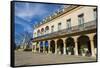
[
  {"x": 42, "y": 31},
  {"x": 38, "y": 33},
  {"x": 52, "y": 28},
  {"x": 47, "y": 29},
  {"x": 59, "y": 26},
  {"x": 81, "y": 19},
  {"x": 69, "y": 23},
  {"x": 95, "y": 13}
]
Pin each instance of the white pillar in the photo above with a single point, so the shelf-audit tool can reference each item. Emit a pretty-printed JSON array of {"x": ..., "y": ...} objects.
[
  {"x": 55, "y": 46},
  {"x": 48, "y": 46},
  {"x": 34, "y": 45},
  {"x": 92, "y": 43},
  {"x": 35, "y": 48},
  {"x": 92, "y": 47},
  {"x": 76, "y": 46},
  {"x": 76, "y": 49},
  {"x": 43, "y": 47},
  {"x": 64, "y": 47}
]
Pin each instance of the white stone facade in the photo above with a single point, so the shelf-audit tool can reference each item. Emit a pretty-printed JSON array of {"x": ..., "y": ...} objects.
[{"x": 75, "y": 24}]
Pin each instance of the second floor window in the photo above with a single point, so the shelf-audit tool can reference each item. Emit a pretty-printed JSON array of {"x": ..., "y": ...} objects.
[
  {"x": 69, "y": 23},
  {"x": 59, "y": 26},
  {"x": 95, "y": 13},
  {"x": 38, "y": 33},
  {"x": 52, "y": 28},
  {"x": 42, "y": 31},
  {"x": 81, "y": 19},
  {"x": 47, "y": 29}
]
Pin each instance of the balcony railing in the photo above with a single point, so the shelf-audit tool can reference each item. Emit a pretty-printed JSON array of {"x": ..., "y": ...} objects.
[{"x": 78, "y": 28}]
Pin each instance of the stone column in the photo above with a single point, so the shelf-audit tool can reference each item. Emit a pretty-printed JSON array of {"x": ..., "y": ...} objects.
[
  {"x": 48, "y": 46},
  {"x": 32, "y": 47},
  {"x": 92, "y": 47},
  {"x": 92, "y": 44},
  {"x": 55, "y": 46},
  {"x": 76, "y": 46},
  {"x": 43, "y": 47},
  {"x": 64, "y": 47},
  {"x": 35, "y": 47}
]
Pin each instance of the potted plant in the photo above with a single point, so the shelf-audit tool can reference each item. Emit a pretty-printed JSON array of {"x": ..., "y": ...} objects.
[
  {"x": 83, "y": 52},
  {"x": 69, "y": 50}
]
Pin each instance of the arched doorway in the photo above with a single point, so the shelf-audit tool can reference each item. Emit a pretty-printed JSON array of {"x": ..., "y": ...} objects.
[
  {"x": 70, "y": 44},
  {"x": 52, "y": 46},
  {"x": 60, "y": 46},
  {"x": 46, "y": 46},
  {"x": 84, "y": 47},
  {"x": 95, "y": 44},
  {"x": 41, "y": 47}
]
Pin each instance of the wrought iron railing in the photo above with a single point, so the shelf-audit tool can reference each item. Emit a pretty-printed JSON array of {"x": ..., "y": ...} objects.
[{"x": 78, "y": 28}]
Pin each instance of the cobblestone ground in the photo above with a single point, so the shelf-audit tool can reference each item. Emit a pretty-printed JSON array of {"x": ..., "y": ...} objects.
[{"x": 29, "y": 58}]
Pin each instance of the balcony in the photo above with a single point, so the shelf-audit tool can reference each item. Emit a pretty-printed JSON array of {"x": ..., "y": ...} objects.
[{"x": 74, "y": 29}]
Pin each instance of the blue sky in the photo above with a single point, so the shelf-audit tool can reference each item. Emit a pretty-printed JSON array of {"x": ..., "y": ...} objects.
[{"x": 29, "y": 14}]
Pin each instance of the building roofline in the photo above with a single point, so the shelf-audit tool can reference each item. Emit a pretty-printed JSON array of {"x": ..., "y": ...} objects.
[{"x": 60, "y": 13}]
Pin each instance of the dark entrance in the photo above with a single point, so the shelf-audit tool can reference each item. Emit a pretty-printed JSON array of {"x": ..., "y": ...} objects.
[
  {"x": 60, "y": 46},
  {"x": 37, "y": 48},
  {"x": 46, "y": 46},
  {"x": 95, "y": 41},
  {"x": 84, "y": 47},
  {"x": 70, "y": 44},
  {"x": 95, "y": 44},
  {"x": 52, "y": 46},
  {"x": 41, "y": 47}
]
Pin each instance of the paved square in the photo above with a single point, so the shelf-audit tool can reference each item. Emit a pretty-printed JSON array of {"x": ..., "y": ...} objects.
[{"x": 29, "y": 58}]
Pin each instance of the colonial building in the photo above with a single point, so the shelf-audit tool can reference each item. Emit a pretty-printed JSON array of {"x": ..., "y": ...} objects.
[{"x": 70, "y": 31}]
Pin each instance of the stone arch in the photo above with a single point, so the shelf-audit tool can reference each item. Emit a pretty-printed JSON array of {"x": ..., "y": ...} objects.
[
  {"x": 52, "y": 46},
  {"x": 37, "y": 47},
  {"x": 70, "y": 44},
  {"x": 41, "y": 46},
  {"x": 60, "y": 46},
  {"x": 46, "y": 46},
  {"x": 84, "y": 47}
]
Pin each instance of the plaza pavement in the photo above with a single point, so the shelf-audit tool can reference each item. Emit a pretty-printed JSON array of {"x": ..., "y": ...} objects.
[{"x": 28, "y": 58}]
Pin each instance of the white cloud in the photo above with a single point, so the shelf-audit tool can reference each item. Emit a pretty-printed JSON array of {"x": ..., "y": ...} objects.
[
  {"x": 30, "y": 10},
  {"x": 26, "y": 26}
]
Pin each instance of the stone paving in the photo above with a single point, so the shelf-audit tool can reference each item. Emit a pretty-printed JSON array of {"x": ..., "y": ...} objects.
[{"x": 29, "y": 58}]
